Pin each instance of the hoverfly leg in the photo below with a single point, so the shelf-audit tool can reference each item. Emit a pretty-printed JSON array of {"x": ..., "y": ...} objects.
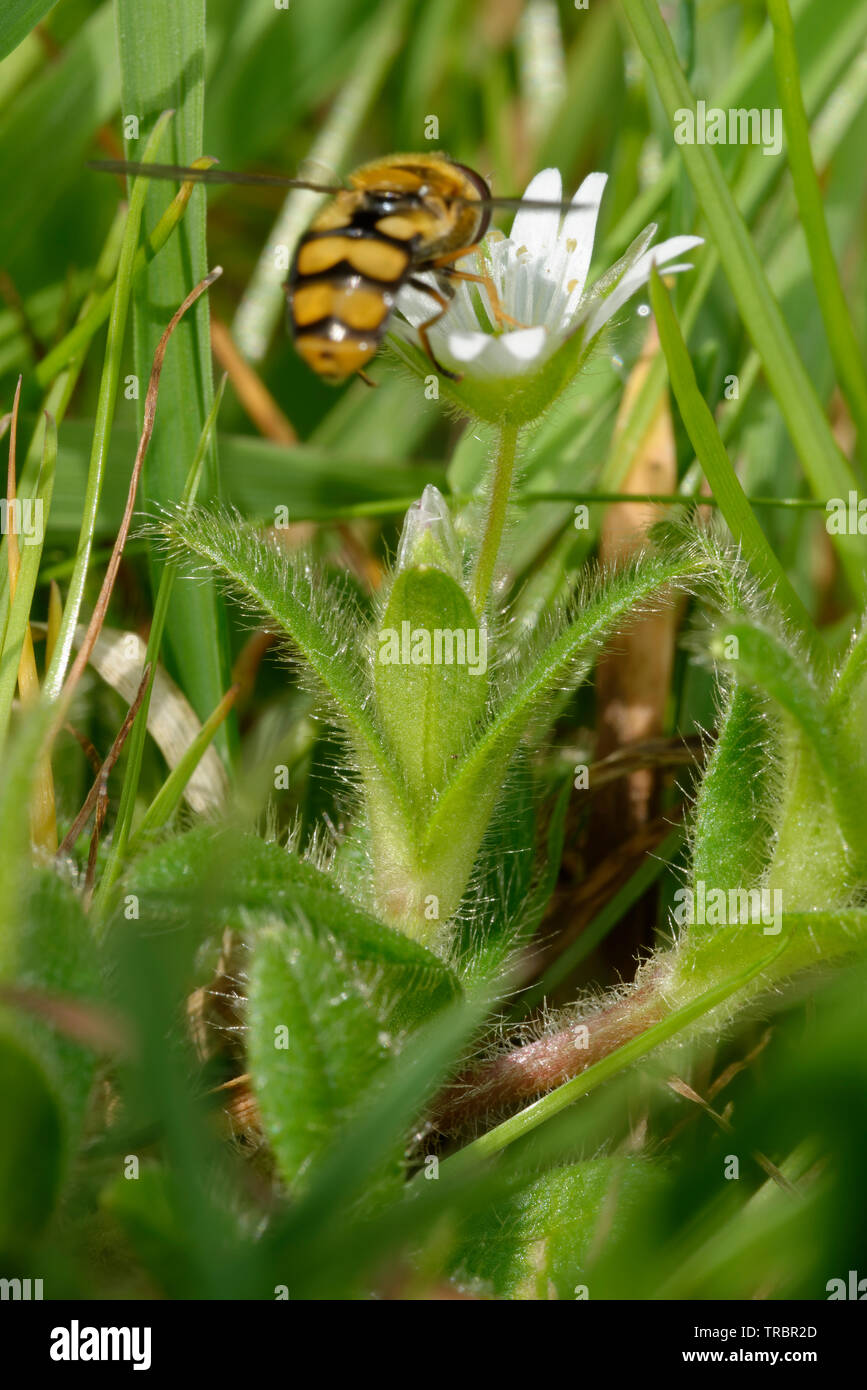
[
  {"x": 497, "y": 309},
  {"x": 368, "y": 381},
  {"x": 422, "y": 328},
  {"x": 442, "y": 266}
]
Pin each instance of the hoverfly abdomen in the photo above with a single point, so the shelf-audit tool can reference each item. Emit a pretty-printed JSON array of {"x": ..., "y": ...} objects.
[{"x": 344, "y": 284}]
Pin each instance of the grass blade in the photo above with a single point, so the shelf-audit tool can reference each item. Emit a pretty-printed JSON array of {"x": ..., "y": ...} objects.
[
  {"x": 842, "y": 339},
  {"x": 162, "y": 53},
  {"x": 123, "y": 825},
  {"x": 170, "y": 793},
  {"x": 79, "y": 337},
  {"x": 710, "y": 450},
  {"x": 25, "y": 585},
  {"x": 102, "y": 429},
  {"x": 18, "y": 18},
  {"x": 828, "y": 472},
  {"x": 49, "y": 127}
]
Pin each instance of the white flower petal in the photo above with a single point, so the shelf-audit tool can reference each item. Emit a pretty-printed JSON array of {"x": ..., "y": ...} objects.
[
  {"x": 537, "y": 228},
  {"x": 637, "y": 276},
  {"x": 675, "y": 246},
  {"x": 681, "y": 265},
  {"x": 524, "y": 344},
  {"x": 467, "y": 347},
  {"x": 509, "y": 355},
  {"x": 580, "y": 226}
]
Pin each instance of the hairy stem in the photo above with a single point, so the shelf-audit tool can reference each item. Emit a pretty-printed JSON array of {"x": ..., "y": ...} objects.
[
  {"x": 501, "y": 487},
  {"x": 538, "y": 1067}
]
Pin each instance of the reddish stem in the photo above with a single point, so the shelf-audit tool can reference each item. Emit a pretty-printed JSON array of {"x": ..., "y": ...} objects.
[{"x": 538, "y": 1067}]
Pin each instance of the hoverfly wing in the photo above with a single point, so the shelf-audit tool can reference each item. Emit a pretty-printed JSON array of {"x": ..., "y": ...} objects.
[
  {"x": 530, "y": 204},
  {"x": 180, "y": 173}
]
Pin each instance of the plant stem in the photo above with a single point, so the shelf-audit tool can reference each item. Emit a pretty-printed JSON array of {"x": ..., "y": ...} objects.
[
  {"x": 637, "y": 1047},
  {"x": 501, "y": 487}
]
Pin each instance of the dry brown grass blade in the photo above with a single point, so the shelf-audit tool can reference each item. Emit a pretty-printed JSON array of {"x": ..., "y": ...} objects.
[
  {"x": 657, "y": 754},
  {"x": 735, "y": 1068},
  {"x": 98, "y": 822},
  {"x": 100, "y": 784},
  {"x": 87, "y": 748},
  {"x": 633, "y": 677},
  {"x": 254, "y": 396},
  {"x": 248, "y": 661},
  {"x": 119, "y": 658}
]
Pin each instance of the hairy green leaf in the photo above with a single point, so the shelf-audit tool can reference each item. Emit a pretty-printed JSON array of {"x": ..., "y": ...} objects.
[
  {"x": 542, "y": 1242},
  {"x": 732, "y": 816},
  {"x": 210, "y": 880},
  {"x": 816, "y": 756},
  {"x": 46, "y": 1077},
  {"x": 315, "y": 1042},
  {"x": 431, "y": 676},
  {"x": 317, "y": 617}
]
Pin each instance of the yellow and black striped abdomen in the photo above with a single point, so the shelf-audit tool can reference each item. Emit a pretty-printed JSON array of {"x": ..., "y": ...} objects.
[{"x": 344, "y": 283}]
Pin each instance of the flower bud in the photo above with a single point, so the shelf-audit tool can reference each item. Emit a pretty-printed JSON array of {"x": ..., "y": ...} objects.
[{"x": 429, "y": 538}]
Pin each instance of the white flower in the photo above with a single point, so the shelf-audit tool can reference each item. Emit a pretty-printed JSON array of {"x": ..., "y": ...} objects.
[{"x": 540, "y": 273}]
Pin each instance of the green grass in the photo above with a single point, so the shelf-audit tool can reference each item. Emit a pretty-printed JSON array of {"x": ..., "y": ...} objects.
[{"x": 356, "y": 916}]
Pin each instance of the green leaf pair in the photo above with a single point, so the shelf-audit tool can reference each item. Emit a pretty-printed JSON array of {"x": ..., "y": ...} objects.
[{"x": 440, "y": 718}]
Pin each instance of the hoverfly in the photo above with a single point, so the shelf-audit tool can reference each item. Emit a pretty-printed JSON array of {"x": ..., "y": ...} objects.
[{"x": 398, "y": 217}]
